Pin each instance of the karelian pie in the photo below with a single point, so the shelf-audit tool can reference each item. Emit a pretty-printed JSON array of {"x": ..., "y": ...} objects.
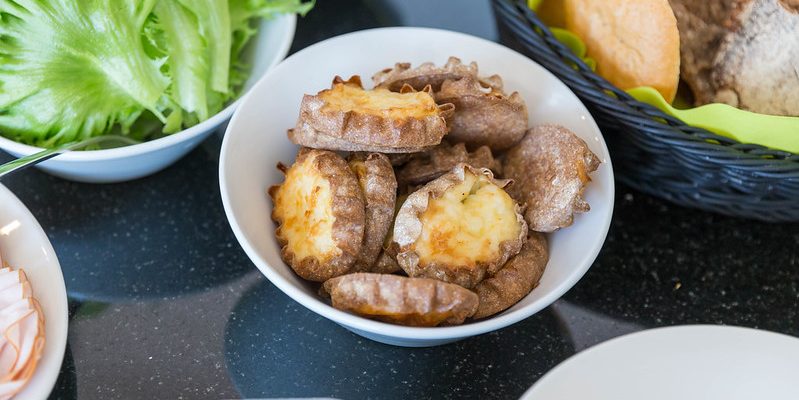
[
  {"x": 402, "y": 300},
  {"x": 424, "y": 167},
  {"x": 347, "y": 117},
  {"x": 319, "y": 210},
  {"x": 459, "y": 227},
  {"x": 515, "y": 280},
  {"x": 379, "y": 187},
  {"x": 550, "y": 168}
]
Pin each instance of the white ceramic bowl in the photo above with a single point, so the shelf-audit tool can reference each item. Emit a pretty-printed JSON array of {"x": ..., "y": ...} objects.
[
  {"x": 696, "y": 362},
  {"x": 256, "y": 140},
  {"x": 24, "y": 245},
  {"x": 269, "y": 46}
]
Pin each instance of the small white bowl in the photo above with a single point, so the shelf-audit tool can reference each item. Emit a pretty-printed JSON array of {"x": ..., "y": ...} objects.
[
  {"x": 269, "y": 46},
  {"x": 256, "y": 141},
  {"x": 24, "y": 245},
  {"x": 691, "y": 362}
]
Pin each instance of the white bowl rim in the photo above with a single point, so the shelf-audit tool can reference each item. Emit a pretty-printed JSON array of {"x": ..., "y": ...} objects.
[
  {"x": 382, "y": 328},
  {"x": 163, "y": 142},
  {"x": 648, "y": 334},
  {"x": 57, "y": 278}
]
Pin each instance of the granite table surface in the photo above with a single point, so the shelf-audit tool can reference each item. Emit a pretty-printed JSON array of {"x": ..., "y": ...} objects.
[{"x": 165, "y": 304}]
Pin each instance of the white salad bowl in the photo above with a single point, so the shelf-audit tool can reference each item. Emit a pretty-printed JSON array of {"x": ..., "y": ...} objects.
[
  {"x": 24, "y": 245},
  {"x": 269, "y": 46},
  {"x": 256, "y": 141}
]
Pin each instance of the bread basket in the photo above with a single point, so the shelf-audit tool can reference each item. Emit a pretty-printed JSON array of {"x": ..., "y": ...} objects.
[{"x": 659, "y": 154}]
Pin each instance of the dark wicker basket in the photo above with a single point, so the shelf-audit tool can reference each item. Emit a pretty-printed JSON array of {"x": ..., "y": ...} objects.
[{"x": 656, "y": 153}]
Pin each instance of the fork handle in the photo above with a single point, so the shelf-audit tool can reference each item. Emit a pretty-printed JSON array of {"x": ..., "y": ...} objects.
[{"x": 46, "y": 154}]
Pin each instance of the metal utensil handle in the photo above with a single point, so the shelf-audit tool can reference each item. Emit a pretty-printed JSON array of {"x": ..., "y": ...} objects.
[{"x": 44, "y": 155}]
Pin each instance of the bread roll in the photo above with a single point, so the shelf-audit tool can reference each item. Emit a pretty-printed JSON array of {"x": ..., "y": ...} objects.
[
  {"x": 635, "y": 43},
  {"x": 741, "y": 52}
]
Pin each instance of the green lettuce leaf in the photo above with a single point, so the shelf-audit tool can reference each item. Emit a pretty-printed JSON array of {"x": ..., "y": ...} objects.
[
  {"x": 214, "y": 24},
  {"x": 186, "y": 60},
  {"x": 244, "y": 16},
  {"x": 73, "y": 69},
  {"x": 70, "y": 69}
]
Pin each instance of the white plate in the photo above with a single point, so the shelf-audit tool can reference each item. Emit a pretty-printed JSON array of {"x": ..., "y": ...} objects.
[
  {"x": 687, "y": 363},
  {"x": 268, "y": 47},
  {"x": 256, "y": 141},
  {"x": 24, "y": 245}
]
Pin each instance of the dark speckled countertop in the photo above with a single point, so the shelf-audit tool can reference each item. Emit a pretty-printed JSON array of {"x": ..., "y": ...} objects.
[{"x": 165, "y": 304}]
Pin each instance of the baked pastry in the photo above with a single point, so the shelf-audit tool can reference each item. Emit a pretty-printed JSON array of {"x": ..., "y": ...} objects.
[
  {"x": 424, "y": 167},
  {"x": 379, "y": 187},
  {"x": 515, "y": 280},
  {"x": 400, "y": 159},
  {"x": 349, "y": 118},
  {"x": 319, "y": 212},
  {"x": 426, "y": 74},
  {"x": 741, "y": 52},
  {"x": 402, "y": 300},
  {"x": 387, "y": 260},
  {"x": 634, "y": 43},
  {"x": 459, "y": 227},
  {"x": 385, "y": 264},
  {"x": 550, "y": 168},
  {"x": 484, "y": 114}
]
